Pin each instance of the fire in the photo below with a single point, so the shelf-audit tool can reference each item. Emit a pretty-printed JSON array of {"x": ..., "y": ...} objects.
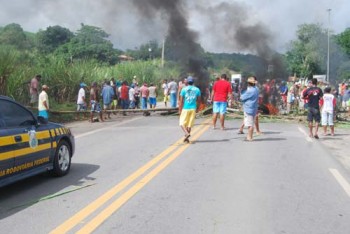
[
  {"x": 272, "y": 109},
  {"x": 202, "y": 106}
]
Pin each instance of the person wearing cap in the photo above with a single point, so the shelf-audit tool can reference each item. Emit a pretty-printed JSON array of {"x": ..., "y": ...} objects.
[
  {"x": 250, "y": 100},
  {"x": 81, "y": 101},
  {"x": 43, "y": 102},
  {"x": 221, "y": 91},
  {"x": 189, "y": 98},
  {"x": 256, "y": 119}
]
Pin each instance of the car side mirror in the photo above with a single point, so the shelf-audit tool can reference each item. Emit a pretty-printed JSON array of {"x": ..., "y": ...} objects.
[{"x": 42, "y": 120}]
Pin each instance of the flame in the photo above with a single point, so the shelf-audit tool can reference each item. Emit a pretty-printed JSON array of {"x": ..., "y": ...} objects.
[
  {"x": 202, "y": 106},
  {"x": 272, "y": 109}
]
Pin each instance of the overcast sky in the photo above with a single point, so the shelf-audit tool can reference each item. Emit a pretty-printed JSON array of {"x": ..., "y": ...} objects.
[{"x": 128, "y": 30}]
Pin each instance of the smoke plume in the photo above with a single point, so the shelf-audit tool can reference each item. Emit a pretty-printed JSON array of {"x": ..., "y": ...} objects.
[
  {"x": 183, "y": 39},
  {"x": 233, "y": 26}
]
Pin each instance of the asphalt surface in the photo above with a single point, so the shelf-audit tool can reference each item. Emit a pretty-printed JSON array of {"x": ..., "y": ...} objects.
[{"x": 134, "y": 174}]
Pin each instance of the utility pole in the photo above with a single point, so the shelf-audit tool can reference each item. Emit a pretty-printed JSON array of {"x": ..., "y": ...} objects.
[
  {"x": 163, "y": 53},
  {"x": 329, "y": 24}
]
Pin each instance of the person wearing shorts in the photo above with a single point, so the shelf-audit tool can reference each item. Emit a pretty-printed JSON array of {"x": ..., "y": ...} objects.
[
  {"x": 43, "y": 103},
  {"x": 152, "y": 97},
  {"x": 313, "y": 94},
  {"x": 328, "y": 103},
  {"x": 250, "y": 100},
  {"x": 221, "y": 91},
  {"x": 94, "y": 102},
  {"x": 189, "y": 98}
]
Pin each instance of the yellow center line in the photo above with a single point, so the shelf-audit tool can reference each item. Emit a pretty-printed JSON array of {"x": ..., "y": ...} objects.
[
  {"x": 89, "y": 209},
  {"x": 108, "y": 211}
]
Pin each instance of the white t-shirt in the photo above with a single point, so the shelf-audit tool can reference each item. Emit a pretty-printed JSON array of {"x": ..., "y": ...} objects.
[
  {"x": 328, "y": 103},
  {"x": 152, "y": 92},
  {"x": 172, "y": 87},
  {"x": 132, "y": 94},
  {"x": 43, "y": 97},
  {"x": 165, "y": 87},
  {"x": 81, "y": 94}
]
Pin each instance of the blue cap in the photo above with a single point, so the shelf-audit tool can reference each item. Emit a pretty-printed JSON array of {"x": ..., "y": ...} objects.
[
  {"x": 83, "y": 84},
  {"x": 190, "y": 79}
]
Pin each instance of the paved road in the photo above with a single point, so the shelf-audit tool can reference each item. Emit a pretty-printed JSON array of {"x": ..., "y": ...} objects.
[{"x": 134, "y": 175}]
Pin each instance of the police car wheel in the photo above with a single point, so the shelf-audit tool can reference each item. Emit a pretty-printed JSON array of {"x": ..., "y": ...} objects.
[{"x": 62, "y": 159}]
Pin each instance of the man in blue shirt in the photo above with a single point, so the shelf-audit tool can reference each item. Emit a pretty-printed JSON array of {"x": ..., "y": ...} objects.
[
  {"x": 107, "y": 96},
  {"x": 250, "y": 100},
  {"x": 188, "y": 102}
]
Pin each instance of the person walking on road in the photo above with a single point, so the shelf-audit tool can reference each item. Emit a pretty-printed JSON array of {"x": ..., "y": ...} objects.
[
  {"x": 250, "y": 100},
  {"x": 189, "y": 98},
  {"x": 256, "y": 119},
  {"x": 182, "y": 84},
  {"x": 313, "y": 94},
  {"x": 43, "y": 102},
  {"x": 327, "y": 104},
  {"x": 221, "y": 91}
]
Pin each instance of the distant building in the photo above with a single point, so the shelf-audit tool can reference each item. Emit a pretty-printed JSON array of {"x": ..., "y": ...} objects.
[
  {"x": 124, "y": 57},
  {"x": 321, "y": 78}
]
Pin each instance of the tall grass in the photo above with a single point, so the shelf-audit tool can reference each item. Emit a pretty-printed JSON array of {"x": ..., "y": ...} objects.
[{"x": 64, "y": 77}]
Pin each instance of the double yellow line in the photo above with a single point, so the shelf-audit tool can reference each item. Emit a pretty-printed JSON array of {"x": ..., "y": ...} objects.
[{"x": 173, "y": 151}]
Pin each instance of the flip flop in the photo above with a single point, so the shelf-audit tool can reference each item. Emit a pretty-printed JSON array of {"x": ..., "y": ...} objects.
[
  {"x": 240, "y": 132},
  {"x": 186, "y": 137},
  {"x": 316, "y": 137}
]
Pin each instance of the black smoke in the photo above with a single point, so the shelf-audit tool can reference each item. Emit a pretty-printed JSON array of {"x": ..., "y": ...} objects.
[
  {"x": 234, "y": 27},
  {"x": 183, "y": 40}
]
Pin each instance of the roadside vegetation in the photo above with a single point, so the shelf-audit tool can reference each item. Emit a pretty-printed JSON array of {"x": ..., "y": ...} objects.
[{"x": 65, "y": 58}]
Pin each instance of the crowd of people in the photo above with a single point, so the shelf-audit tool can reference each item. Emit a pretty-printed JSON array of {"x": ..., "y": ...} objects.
[{"x": 320, "y": 102}]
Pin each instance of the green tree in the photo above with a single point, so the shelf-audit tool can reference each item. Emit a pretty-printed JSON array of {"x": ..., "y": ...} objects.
[
  {"x": 50, "y": 39},
  {"x": 90, "y": 42},
  {"x": 8, "y": 63},
  {"x": 343, "y": 39},
  {"x": 307, "y": 54},
  {"x": 13, "y": 34}
]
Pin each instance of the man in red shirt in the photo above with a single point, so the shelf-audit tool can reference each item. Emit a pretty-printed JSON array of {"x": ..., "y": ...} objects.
[
  {"x": 124, "y": 96},
  {"x": 221, "y": 90}
]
